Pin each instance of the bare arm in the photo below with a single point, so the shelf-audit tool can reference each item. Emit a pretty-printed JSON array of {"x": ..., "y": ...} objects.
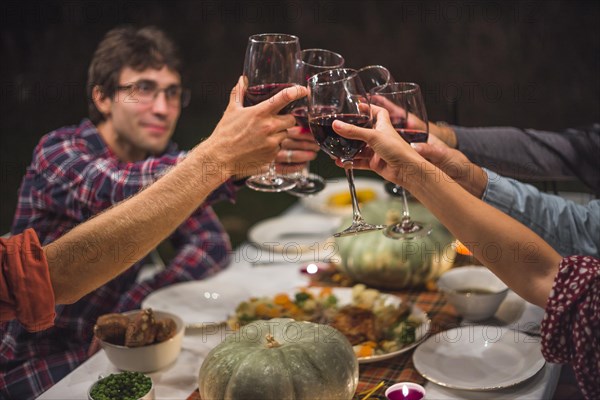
[
  {"x": 513, "y": 252},
  {"x": 244, "y": 138}
]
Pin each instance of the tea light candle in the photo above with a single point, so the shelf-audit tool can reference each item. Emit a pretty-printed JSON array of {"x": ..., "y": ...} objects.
[{"x": 405, "y": 391}]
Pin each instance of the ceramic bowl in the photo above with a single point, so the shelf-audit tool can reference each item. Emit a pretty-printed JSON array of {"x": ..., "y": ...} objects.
[
  {"x": 147, "y": 358},
  {"x": 475, "y": 292},
  {"x": 147, "y": 396}
]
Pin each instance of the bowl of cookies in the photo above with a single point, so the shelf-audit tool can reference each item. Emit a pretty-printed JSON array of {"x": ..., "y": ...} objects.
[{"x": 140, "y": 340}]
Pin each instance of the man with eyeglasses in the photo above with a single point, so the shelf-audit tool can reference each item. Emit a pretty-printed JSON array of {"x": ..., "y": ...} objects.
[{"x": 135, "y": 96}]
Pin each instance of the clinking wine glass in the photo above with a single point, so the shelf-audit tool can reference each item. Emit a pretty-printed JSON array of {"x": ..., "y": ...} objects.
[
  {"x": 312, "y": 62},
  {"x": 404, "y": 102},
  {"x": 374, "y": 77},
  {"x": 270, "y": 66},
  {"x": 339, "y": 94}
]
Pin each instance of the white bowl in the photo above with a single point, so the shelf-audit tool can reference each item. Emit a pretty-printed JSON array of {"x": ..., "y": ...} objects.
[
  {"x": 147, "y": 358},
  {"x": 147, "y": 396},
  {"x": 473, "y": 306}
]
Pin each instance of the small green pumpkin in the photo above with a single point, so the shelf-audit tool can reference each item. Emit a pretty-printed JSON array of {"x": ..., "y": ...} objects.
[
  {"x": 280, "y": 359},
  {"x": 375, "y": 260}
]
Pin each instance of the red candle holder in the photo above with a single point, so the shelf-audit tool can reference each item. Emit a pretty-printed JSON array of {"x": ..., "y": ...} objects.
[{"x": 405, "y": 391}]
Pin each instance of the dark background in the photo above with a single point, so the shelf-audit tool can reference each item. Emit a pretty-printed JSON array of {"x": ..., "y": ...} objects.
[{"x": 527, "y": 64}]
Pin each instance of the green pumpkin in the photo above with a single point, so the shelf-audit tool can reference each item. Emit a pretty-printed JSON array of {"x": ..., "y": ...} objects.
[
  {"x": 375, "y": 260},
  {"x": 280, "y": 359}
]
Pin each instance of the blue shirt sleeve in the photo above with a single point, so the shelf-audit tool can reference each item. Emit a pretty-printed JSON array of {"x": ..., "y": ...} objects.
[{"x": 568, "y": 227}]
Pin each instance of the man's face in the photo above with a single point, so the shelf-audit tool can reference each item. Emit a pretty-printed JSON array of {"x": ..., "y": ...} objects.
[{"x": 142, "y": 124}]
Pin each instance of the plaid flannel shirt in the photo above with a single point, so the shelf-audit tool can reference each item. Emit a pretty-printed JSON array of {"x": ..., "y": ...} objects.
[{"x": 72, "y": 177}]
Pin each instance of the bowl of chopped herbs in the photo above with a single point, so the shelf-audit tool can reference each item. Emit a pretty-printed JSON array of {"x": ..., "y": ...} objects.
[{"x": 122, "y": 386}]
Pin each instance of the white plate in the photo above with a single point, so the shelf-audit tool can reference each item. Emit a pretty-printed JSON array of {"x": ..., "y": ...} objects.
[
  {"x": 320, "y": 201},
  {"x": 479, "y": 358},
  {"x": 344, "y": 296},
  {"x": 295, "y": 235},
  {"x": 197, "y": 303}
]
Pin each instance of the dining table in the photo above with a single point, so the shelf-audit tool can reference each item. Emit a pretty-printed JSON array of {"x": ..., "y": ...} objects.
[{"x": 255, "y": 272}]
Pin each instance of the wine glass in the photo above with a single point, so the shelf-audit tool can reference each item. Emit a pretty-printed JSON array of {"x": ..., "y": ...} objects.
[
  {"x": 270, "y": 66},
  {"x": 312, "y": 62},
  {"x": 339, "y": 94},
  {"x": 374, "y": 77},
  {"x": 404, "y": 102}
]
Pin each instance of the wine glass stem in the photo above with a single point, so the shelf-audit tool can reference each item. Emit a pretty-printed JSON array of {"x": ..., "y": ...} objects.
[
  {"x": 272, "y": 174},
  {"x": 304, "y": 172},
  {"x": 356, "y": 216},
  {"x": 406, "y": 222}
]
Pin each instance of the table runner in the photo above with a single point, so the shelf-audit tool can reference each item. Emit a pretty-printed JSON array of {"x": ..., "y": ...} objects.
[{"x": 401, "y": 368}]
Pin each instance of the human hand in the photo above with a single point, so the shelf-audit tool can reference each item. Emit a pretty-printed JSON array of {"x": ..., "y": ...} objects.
[
  {"x": 248, "y": 138},
  {"x": 297, "y": 149},
  {"x": 443, "y": 132},
  {"x": 386, "y": 153},
  {"x": 398, "y": 113},
  {"x": 455, "y": 164}
]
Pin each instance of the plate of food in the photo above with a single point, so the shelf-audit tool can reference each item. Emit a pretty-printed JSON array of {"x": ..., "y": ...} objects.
[
  {"x": 335, "y": 198},
  {"x": 378, "y": 325}
]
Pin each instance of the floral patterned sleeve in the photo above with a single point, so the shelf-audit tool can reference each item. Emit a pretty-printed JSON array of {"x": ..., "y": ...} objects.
[{"x": 572, "y": 321}]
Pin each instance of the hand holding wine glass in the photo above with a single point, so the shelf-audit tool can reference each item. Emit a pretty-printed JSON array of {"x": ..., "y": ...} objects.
[
  {"x": 312, "y": 62},
  {"x": 270, "y": 66},
  {"x": 408, "y": 116},
  {"x": 338, "y": 94},
  {"x": 375, "y": 77},
  {"x": 252, "y": 135},
  {"x": 386, "y": 152}
]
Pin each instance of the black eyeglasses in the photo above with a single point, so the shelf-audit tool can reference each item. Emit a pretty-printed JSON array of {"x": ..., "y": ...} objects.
[{"x": 146, "y": 91}]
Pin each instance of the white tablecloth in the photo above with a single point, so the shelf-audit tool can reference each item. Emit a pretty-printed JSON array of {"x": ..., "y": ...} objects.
[{"x": 180, "y": 379}]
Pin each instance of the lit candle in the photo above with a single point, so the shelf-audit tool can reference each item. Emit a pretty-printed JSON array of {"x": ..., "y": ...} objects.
[{"x": 405, "y": 391}]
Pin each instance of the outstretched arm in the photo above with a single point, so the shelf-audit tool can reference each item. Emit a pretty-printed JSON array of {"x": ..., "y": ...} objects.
[
  {"x": 144, "y": 220},
  {"x": 541, "y": 212},
  {"x": 513, "y": 252},
  {"x": 528, "y": 153}
]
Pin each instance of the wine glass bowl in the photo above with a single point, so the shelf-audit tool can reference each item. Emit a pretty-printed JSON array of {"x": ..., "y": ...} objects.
[
  {"x": 312, "y": 61},
  {"x": 338, "y": 94},
  {"x": 270, "y": 66},
  {"x": 374, "y": 77},
  {"x": 319, "y": 60},
  {"x": 404, "y": 103}
]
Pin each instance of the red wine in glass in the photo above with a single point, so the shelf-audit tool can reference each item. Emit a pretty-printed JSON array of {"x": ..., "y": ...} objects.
[
  {"x": 342, "y": 90},
  {"x": 301, "y": 115},
  {"x": 312, "y": 62},
  {"x": 413, "y": 135},
  {"x": 408, "y": 134},
  {"x": 259, "y": 93},
  {"x": 403, "y": 100},
  {"x": 270, "y": 65},
  {"x": 334, "y": 144}
]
